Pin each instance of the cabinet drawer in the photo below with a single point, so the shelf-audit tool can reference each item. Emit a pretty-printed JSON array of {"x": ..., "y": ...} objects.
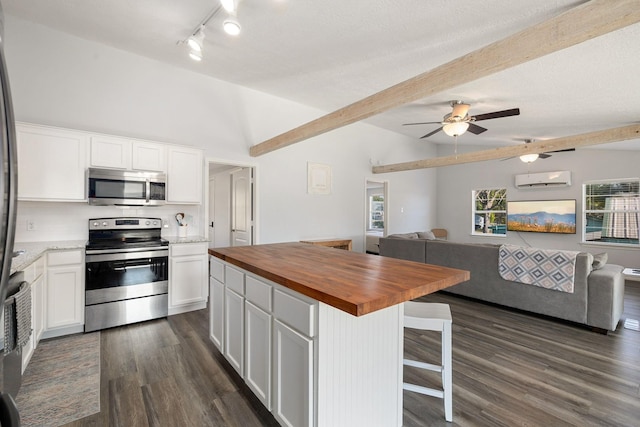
[
  {"x": 294, "y": 312},
  {"x": 258, "y": 293},
  {"x": 64, "y": 258},
  {"x": 186, "y": 249},
  {"x": 216, "y": 269},
  {"x": 234, "y": 279}
]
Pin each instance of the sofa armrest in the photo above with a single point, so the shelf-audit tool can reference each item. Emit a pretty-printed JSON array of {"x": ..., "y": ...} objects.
[{"x": 605, "y": 297}]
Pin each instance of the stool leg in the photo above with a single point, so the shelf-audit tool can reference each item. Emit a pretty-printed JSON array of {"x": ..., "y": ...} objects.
[{"x": 447, "y": 380}]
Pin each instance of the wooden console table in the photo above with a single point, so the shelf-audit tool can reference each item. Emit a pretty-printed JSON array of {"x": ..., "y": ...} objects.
[{"x": 332, "y": 243}]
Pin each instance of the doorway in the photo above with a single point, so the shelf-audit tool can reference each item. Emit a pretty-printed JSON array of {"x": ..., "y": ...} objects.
[
  {"x": 376, "y": 213},
  {"x": 231, "y": 204}
]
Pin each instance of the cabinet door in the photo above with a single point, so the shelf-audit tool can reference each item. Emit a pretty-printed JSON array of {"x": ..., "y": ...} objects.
[
  {"x": 64, "y": 296},
  {"x": 258, "y": 352},
  {"x": 110, "y": 152},
  {"x": 148, "y": 156},
  {"x": 51, "y": 163},
  {"x": 39, "y": 311},
  {"x": 30, "y": 346},
  {"x": 234, "y": 329},
  {"x": 293, "y": 377},
  {"x": 188, "y": 280},
  {"x": 184, "y": 175},
  {"x": 216, "y": 313}
]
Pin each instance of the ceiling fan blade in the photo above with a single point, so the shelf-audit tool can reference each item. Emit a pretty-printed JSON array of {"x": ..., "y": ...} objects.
[
  {"x": 422, "y": 123},
  {"x": 475, "y": 129},
  {"x": 431, "y": 133},
  {"x": 560, "y": 151},
  {"x": 544, "y": 155},
  {"x": 497, "y": 114}
]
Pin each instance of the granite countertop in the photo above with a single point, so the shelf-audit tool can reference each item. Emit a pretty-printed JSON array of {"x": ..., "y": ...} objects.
[
  {"x": 34, "y": 250},
  {"x": 188, "y": 239}
]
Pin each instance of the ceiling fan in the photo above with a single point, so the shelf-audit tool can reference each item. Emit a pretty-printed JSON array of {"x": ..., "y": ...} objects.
[
  {"x": 529, "y": 158},
  {"x": 459, "y": 121}
]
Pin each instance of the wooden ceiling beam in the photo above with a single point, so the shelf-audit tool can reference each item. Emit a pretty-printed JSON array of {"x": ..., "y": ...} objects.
[
  {"x": 584, "y": 22},
  {"x": 576, "y": 141}
]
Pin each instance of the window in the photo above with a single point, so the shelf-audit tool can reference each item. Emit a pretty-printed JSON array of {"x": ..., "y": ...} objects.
[
  {"x": 611, "y": 211},
  {"x": 376, "y": 212},
  {"x": 489, "y": 212}
]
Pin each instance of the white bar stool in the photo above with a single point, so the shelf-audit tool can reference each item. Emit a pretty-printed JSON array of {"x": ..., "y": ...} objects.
[{"x": 432, "y": 317}]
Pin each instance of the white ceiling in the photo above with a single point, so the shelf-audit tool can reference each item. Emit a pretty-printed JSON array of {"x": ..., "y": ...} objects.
[{"x": 330, "y": 53}]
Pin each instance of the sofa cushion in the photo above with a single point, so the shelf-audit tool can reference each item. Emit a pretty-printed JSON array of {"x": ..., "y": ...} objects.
[{"x": 599, "y": 260}]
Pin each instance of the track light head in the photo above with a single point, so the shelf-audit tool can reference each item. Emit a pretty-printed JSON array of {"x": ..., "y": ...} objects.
[
  {"x": 231, "y": 26},
  {"x": 196, "y": 41}
]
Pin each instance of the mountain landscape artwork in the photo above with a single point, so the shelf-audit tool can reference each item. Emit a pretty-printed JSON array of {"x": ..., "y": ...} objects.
[{"x": 542, "y": 216}]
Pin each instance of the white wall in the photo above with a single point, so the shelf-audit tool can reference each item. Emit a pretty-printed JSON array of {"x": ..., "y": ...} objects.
[
  {"x": 60, "y": 80},
  {"x": 455, "y": 184}
]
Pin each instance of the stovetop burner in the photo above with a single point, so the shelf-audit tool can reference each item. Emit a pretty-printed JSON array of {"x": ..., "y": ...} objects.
[{"x": 118, "y": 233}]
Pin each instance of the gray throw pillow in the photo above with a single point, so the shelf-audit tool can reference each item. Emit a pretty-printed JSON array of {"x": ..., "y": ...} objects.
[
  {"x": 599, "y": 260},
  {"x": 426, "y": 235}
]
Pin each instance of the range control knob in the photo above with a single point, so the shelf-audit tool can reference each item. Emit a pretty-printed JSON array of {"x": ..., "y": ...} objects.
[
  {"x": 147, "y": 223},
  {"x": 105, "y": 223},
  {"x": 95, "y": 224},
  {"x": 155, "y": 222}
]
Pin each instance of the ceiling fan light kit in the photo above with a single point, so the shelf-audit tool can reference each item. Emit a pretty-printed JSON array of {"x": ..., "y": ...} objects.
[
  {"x": 529, "y": 158},
  {"x": 455, "y": 128}
]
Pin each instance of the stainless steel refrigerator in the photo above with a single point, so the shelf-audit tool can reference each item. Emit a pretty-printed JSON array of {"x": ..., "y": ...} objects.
[{"x": 8, "y": 184}]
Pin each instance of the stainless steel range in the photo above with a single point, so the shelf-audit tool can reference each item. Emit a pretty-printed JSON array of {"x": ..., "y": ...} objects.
[{"x": 127, "y": 268}]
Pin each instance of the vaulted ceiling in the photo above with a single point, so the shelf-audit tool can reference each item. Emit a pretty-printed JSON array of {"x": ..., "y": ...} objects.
[{"x": 328, "y": 54}]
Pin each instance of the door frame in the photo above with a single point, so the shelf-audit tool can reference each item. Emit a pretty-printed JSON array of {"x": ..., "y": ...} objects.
[
  {"x": 254, "y": 196},
  {"x": 385, "y": 191}
]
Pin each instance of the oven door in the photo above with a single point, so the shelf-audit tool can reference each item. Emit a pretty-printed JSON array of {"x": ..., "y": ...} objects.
[{"x": 113, "y": 277}]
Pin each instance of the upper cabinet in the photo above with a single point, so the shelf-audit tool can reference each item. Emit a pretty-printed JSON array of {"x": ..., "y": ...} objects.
[
  {"x": 122, "y": 153},
  {"x": 184, "y": 175},
  {"x": 51, "y": 163}
]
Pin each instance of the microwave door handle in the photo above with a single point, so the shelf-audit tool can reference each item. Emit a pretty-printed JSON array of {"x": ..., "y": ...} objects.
[{"x": 148, "y": 190}]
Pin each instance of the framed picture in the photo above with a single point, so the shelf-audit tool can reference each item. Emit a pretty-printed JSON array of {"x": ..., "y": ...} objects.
[{"x": 318, "y": 178}]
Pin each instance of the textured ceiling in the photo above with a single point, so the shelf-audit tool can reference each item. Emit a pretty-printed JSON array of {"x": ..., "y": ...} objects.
[{"x": 330, "y": 53}]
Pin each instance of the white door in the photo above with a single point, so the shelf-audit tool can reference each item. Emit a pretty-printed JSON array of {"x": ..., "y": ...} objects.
[
  {"x": 212, "y": 213},
  {"x": 241, "y": 207}
]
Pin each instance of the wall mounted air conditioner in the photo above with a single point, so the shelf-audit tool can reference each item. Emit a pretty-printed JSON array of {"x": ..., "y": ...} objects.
[{"x": 544, "y": 180}]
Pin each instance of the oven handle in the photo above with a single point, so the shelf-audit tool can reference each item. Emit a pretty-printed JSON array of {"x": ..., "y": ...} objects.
[
  {"x": 148, "y": 190},
  {"x": 111, "y": 256}
]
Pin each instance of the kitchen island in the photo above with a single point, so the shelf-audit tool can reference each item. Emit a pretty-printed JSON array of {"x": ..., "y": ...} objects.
[{"x": 317, "y": 332}]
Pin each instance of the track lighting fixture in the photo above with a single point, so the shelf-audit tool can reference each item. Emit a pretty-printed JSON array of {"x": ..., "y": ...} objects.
[
  {"x": 196, "y": 41},
  {"x": 230, "y": 25}
]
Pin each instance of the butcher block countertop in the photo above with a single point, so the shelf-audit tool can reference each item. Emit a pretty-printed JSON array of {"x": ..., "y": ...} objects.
[{"x": 353, "y": 282}]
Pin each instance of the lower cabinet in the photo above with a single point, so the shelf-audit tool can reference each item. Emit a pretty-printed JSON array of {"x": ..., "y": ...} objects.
[
  {"x": 64, "y": 293},
  {"x": 267, "y": 333},
  {"x": 34, "y": 274},
  {"x": 258, "y": 350},
  {"x": 216, "y": 313},
  {"x": 188, "y": 266},
  {"x": 234, "y": 329},
  {"x": 293, "y": 376}
]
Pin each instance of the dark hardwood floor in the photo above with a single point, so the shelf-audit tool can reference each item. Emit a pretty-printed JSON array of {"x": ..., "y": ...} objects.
[{"x": 509, "y": 369}]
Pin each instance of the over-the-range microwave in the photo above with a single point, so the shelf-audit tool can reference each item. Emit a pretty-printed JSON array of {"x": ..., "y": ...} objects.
[{"x": 108, "y": 187}]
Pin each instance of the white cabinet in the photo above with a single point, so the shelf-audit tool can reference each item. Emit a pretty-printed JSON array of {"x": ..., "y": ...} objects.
[
  {"x": 110, "y": 152},
  {"x": 64, "y": 293},
  {"x": 234, "y": 329},
  {"x": 51, "y": 163},
  {"x": 258, "y": 352},
  {"x": 188, "y": 272},
  {"x": 123, "y": 153},
  {"x": 148, "y": 156},
  {"x": 184, "y": 175},
  {"x": 34, "y": 274},
  {"x": 216, "y": 313},
  {"x": 293, "y": 376}
]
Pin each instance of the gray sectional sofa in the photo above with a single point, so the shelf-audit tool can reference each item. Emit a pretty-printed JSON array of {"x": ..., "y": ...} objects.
[{"x": 597, "y": 300}]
